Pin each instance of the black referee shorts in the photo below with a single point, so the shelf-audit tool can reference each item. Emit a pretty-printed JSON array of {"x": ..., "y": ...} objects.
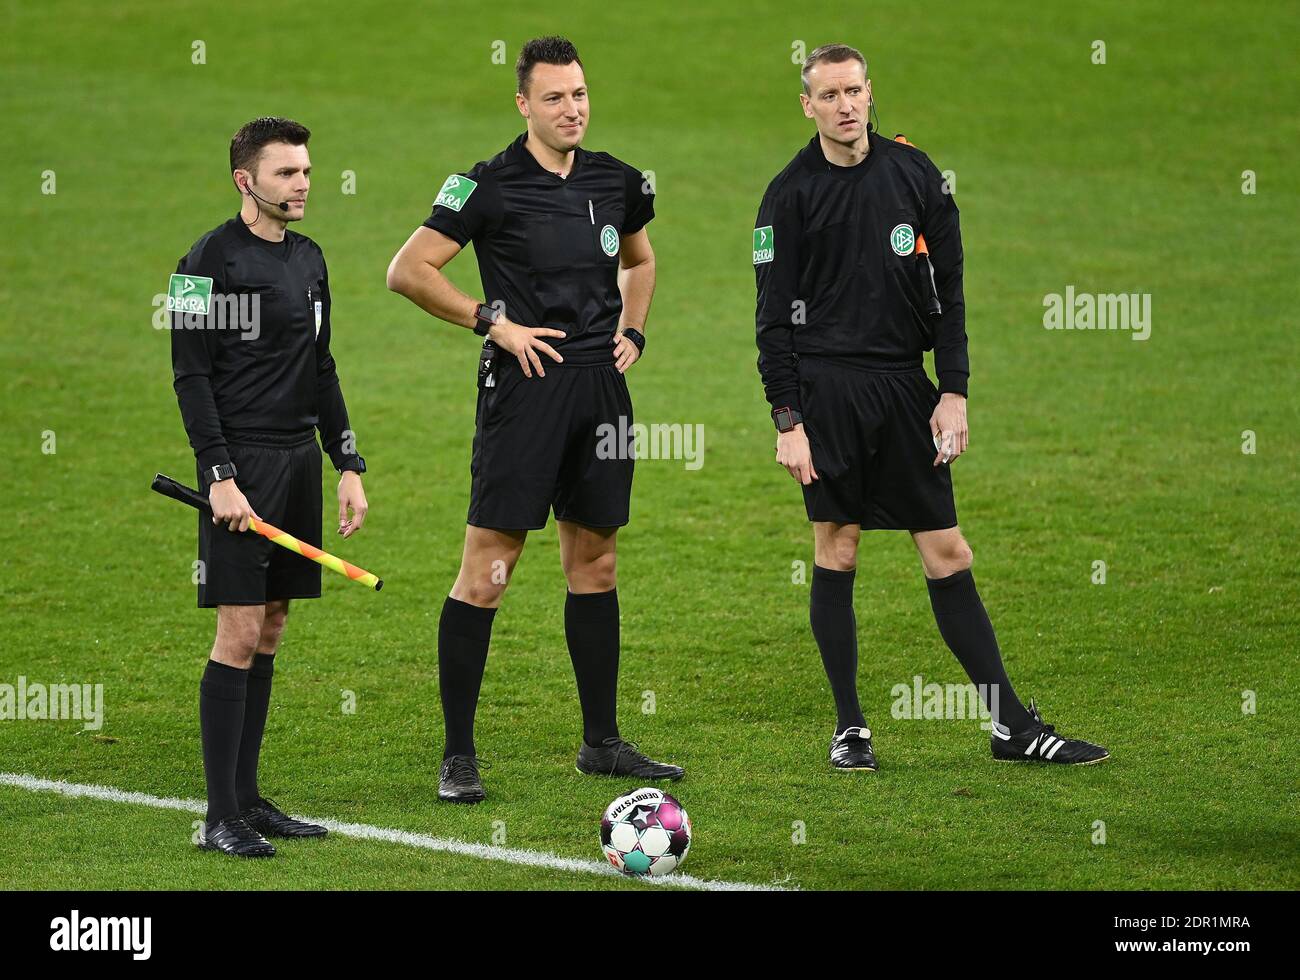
[
  {"x": 281, "y": 477},
  {"x": 869, "y": 431},
  {"x": 559, "y": 442}
]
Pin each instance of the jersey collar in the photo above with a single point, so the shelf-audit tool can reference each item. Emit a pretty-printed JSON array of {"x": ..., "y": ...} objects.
[
  {"x": 246, "y": 233},
  {"x": 527, "y": 160},
  {"x": 814, "y": 159}
]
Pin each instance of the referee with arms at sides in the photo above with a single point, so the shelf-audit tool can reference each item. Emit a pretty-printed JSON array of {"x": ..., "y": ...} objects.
[
  {"x": 251, "y": 401},
  {"x": 568, "y": 272},
  {"x": 848, "y": 301}
]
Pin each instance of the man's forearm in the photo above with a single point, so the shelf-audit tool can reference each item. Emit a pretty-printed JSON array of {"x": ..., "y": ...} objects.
[
  {"x": 434, "y": 293},
  {"x": 337, "y": 438},
  {"x": 636, "y": 283},
  {"x": 201, "y": 421}
]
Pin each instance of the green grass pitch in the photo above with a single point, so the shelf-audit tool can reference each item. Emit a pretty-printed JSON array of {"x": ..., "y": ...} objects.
[{"x": 1087, "y": 447}]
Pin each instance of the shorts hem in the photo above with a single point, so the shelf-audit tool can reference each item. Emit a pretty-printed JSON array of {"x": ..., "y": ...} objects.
[
  {"x": 578, "y": 520},
  {"x": 257, "y": 602},
  {"x": 876, "y": 526},
  {"x": 505, "y": 527}
]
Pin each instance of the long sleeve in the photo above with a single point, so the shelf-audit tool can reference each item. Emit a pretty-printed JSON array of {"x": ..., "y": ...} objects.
[
  {"x": 192, "y": 349},
  {"x": 336, "y": 434},
  {"x": 943, "y": 237},
  {"x": 776, "y": 271}
]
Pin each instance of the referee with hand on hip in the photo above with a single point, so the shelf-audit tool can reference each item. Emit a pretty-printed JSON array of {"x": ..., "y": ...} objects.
[
  {"x": 568, "y": 271},
  {"x": 251, "y": 399},
  {"x": 849, "y": 299}
]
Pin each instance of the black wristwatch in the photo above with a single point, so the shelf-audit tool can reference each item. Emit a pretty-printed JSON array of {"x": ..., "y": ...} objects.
[
  {"x": 485, "y": 318},
  {"x": 786, "y": 418},
  {"x": 223, "y": 471},
  {"x": 637, "y": 338},
  {"x": 357, "y": 464}
]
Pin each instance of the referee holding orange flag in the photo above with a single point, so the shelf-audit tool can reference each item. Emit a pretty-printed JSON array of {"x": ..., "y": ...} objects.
[{"x": 255, "y": 379}]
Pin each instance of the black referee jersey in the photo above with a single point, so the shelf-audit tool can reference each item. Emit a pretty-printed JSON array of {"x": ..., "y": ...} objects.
[
  {"x": 547, "y": 246},
  {"x": 838, "y": 273},
  {"x": 235, "y": 377}
]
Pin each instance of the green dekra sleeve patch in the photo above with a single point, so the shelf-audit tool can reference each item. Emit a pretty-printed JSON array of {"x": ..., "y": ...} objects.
[{"x": 456, "y": 190}]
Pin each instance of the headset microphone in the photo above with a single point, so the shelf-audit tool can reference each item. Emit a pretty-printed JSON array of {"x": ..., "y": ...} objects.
[{"x": 282, "y": 205}]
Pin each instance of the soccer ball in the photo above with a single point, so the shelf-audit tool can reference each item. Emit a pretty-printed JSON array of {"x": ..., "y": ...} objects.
[{"x": 645, "y": 833}]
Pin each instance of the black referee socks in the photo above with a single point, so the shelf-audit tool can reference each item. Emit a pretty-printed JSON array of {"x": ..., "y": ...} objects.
[
  {"x": 464, "y": 632},
  {"x": 830, "y": 609},
  {"x": 222, "y": 693},
  {"x": 591, "y": 629},
  {"x": 256, "y": 704},
  {"x": 965, "y": 627}
]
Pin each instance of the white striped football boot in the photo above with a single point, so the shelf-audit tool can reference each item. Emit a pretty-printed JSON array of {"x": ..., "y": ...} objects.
[
  {"x": 1040, "y": 743},
  {"x": 851, "y": 751}
]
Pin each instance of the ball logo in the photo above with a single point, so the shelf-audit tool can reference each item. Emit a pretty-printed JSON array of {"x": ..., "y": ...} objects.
[
  {"x": 645, "y": 833},
  {"x": 902, "y": 239},
  {"x": 609, "y": 240}
]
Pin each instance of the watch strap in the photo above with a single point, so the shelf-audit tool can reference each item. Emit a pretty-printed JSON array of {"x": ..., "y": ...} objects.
[
  {"x": 485, "y": 318},
  {"x": 222, "y": 471},
  {"x": 786, "y": 418}
]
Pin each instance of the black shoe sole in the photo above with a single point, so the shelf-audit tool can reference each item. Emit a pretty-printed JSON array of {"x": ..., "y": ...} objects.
[
  {"x": 614, "y": 775},
  {"x": 461, "y": 799},
  {"x": 271, "y": 835},
  {"x": 1050, "y": 762},
  {"x": 235, "y": 854}
]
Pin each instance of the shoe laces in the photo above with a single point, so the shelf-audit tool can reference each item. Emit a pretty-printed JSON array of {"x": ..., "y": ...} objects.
[
  {"x": 266, "y": 803},
  {"x": 1039, "y": 727},
  {"x": 240, "y": 828},
  {"x": 630, "y": 748},
  {"x": 465, "y": 768}
]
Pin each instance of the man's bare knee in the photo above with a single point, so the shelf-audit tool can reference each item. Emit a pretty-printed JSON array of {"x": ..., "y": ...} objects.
[
  {"x": 238, "y": 630},
  {"x": 273, "y": 625},
  {"x": 944, "y": 553},
  {"x": 588, "y": 556},
  {"x": 488, "y": 562},
  {"x": 836, "y": 546},
  {"x": 592, "y": 573},
  {"x": 476, "y": 592},
  {"x": 482, "y": 580},
  {"x": 962, "y": 556}
]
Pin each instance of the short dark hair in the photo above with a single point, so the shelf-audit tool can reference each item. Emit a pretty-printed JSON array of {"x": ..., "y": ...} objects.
[
  {"x": 543, "y": 51},
  {"x": 246, "y": 145},
  {"x": 830, "y": 54}
]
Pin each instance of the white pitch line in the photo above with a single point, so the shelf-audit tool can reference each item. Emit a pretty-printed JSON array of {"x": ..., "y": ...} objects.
[{"x": 448, "y": 845}]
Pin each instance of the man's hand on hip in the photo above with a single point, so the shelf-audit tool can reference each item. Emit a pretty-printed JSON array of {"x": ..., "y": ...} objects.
[
  {"x": 626, "y": 353},
  {"x": 524, "y": 343}
]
